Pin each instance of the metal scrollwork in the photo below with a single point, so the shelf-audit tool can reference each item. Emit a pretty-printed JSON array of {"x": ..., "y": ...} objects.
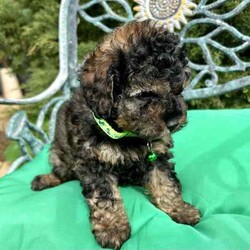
[
  {"x": 33, "y": 137},
  {"x": 212, "y": 87},
  {"x": 109, "y": 13}
]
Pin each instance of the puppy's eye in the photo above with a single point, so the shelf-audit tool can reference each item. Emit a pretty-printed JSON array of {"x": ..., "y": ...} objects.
[
  {"x": 118, "y": 98},
  {"x": 147, "y": 94}
]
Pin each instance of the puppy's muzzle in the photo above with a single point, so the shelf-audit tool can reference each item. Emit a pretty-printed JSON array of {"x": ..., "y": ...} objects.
[{"x": 178, "y": 117}]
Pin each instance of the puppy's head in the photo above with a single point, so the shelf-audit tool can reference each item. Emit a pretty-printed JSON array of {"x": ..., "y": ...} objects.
[{"x": 135, "y": 78}]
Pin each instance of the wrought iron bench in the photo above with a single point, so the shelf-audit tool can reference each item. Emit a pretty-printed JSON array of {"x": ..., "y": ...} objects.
[{"x": 32, "y": 137}]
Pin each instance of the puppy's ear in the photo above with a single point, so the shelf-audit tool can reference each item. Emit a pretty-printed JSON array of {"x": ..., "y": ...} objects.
[{"x": 97, "y": 89}]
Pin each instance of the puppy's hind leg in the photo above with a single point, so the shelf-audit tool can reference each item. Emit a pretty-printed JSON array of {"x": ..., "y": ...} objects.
[{"x": 60, "y": 174}]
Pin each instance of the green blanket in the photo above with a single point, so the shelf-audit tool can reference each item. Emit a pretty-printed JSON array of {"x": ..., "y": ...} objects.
[{"x": 212, "y": 156}]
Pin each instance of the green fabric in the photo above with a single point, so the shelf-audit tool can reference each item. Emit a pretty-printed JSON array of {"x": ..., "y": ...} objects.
[{"x": 213, "y": 163}]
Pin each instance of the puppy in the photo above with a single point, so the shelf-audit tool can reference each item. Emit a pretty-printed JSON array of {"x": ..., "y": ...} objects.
[{"x": 116, "y": 128}]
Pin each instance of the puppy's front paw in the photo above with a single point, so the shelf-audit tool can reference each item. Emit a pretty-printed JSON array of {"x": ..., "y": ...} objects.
[
  {"x": 113, "y": 236},
  {"x": 186, "y": 214},
  {"x": 41, "y": 182},
  {"x": 38, "y": 184},
  {"x": 111, "y": 231}
]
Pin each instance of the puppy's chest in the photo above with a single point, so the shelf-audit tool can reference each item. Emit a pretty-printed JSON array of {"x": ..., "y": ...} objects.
[{"x": 116, "y": 154}]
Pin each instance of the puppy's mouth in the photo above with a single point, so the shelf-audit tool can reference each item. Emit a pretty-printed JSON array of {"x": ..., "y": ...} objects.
[
  {"x": 177, "y": 119},
  {"x": 176, "y": 123},
  {"x": 172, "y": 125}
]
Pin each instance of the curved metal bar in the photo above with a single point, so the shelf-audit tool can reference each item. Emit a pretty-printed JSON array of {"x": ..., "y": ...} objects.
[
  {"x": 228, "y": 15},
  {"x": 18, "y": 162},
  {"x": 213, "y": 81},
  {"x": 16, "y": 124},
  {"x": 217, "y": 22},
  {"x": 110, "y": 14},
  {"x": 100, "y": 25},
  {"x": 89, "y": 4},
  {"x": 53, "y": 119},
  {"x": 205, "y": 40},
  {"x": 215, "y": 4},
  {"x": 40, "y": 132},
  {"x": 199, "y": 76},
  {"x": 127, "y": 8},
  {"x": 19, "y": 129},
  {"x": 190, "y": 94},
  {"x": 207, "y": 56},
  {"x": 216, "y": 68},
  {"x": 241, "y": 47},
  {"x": 44, "y": 110},
  {"x": 72, "y": 47},
  {"x": 63, "y": 58}
]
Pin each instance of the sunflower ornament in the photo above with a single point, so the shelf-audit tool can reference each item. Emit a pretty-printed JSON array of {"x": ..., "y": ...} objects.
[{"x": 168, "y": 13}]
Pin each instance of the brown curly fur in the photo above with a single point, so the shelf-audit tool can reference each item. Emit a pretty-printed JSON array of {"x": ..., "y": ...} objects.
[{"x": 134, "y": 80}]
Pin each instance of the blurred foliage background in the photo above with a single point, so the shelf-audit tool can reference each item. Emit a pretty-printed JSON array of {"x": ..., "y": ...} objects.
[{"x": 29, "y": 45}]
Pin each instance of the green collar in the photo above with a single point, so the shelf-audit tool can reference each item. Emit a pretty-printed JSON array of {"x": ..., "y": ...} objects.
[{"x": 108, "y": 130}]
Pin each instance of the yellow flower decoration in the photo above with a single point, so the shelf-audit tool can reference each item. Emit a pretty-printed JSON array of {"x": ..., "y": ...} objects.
[{"x": 167, "y": 12}]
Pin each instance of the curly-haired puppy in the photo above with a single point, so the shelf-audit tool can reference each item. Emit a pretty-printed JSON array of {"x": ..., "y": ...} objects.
[{"x": 133, "y": 80}]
